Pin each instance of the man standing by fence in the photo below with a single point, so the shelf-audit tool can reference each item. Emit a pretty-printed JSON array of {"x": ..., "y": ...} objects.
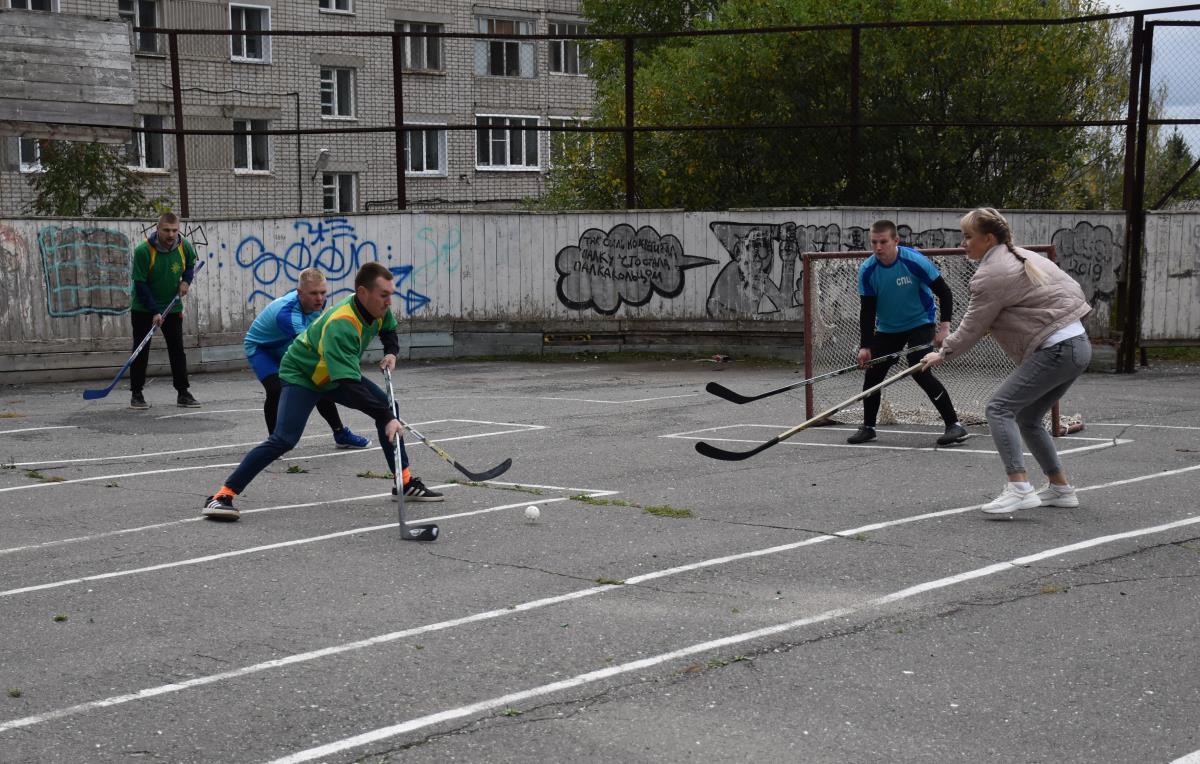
[{"x": 163, "y": 266}]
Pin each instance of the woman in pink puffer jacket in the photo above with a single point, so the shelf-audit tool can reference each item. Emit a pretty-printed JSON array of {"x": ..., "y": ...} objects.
[{"x": 1032, "y": 309}]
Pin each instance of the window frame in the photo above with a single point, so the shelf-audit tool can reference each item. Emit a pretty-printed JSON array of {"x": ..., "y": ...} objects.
[
  {"x": 139, "y": 143},
  {"x": 347, "y": 11},
  {"x": 53, "y": 6},
  {"x": 248, "y": 140},
  {"x": 404, "y": 29},
  {"x": 485, "y": 24},
  {"x": 27, "y": 168},
  {"x": 528, "y": 138},
  {"x": 334, "y": 89},
  {"x": 336, "y": 187},
  {"x": 440, "y": 132},
  {"x": 583, "y": 63},
  {"x": 590, "y": 138},
  {"x": 244, "y": 36},
  {"x": 134, "y": 17}
]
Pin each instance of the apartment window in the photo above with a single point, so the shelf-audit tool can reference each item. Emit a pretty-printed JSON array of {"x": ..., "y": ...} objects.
[
  {"x": 31, "y": 155},
  {"x": 566, "y": 57},
  {"x": 339, "y": 192},
  {"x": 504, "y": 58},
  {"x": 500, "y": 143},
  {"x": 141, "y": 13},
  {"x": 337, "y": 93},
  {"x": 246, "y": 21},
  {"x": 425, "y": 152},
  {"x": 421, "y": 53},
  {"x": 33, "y": 5},
  {"x": 251, "y": 149},
  {"x": 145, "y": 151},
  {"x": 568, "y": 146},
  {"x": 337, "y": 6}
]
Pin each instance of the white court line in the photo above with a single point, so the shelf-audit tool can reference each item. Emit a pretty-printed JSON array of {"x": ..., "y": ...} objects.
[
  {"x": 1152, "y": 426},
  {"x": 35, "y": 429},
  {"x": 267, "y": 547},
  {"x": 1191, "y": 758},
  {"x": 151, "y": 455},
  {"x": 523, "y": 428},
  {"x": 208, "y": 411},
  {"x": 511, "y": 699},
  {"x": 550, "y": 398},
  {"x": 1099, "y": 443},
  {"x": 522, "y": 607},
  {"x": 366, "y": 497},
  {"x": 285, "y": 457}
]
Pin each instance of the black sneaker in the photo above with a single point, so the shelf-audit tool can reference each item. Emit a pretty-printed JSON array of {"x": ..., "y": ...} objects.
[
  {"x": 955, "y": 433},
  {"x": 862, "y": 435},
  {"x": 220, "y": 508},
  {"x": 185, "y": 400},
  {"x": 138, "y": 401},
  {"x": 415, "y": 490}
]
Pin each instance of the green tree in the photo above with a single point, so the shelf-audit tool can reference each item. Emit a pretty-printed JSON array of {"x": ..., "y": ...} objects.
[
  {"x": 1166, "y": 163},
  {"x": 87, "y": 180},
  {"x": 985, "y": 74}
]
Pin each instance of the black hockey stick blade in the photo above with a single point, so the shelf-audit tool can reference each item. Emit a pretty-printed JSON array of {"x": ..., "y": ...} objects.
[
  {"x": 426, "y": 532},
  {"x": 712, "y": 452},
  {"x": 479, "y": 477},
  {"x": 721, "y": 391}
]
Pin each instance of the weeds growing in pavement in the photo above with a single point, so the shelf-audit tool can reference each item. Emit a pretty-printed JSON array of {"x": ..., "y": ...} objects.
[
  {"x": 667, "y": 511},
  {"x": 14, "y": 692},
  {"x": 60, "y": 617},
  {"x": 517, "y": 488},
  {"x": 1053, "y": 589},
  {"x": 296, "y": 469},
  {"x": 38, "y": 475},
  {"x": 10, "y": 415},
  {"x": 378, "y": 475},
  {"x": 662, "y": 510},
  {"x": 604, "y": 581}
]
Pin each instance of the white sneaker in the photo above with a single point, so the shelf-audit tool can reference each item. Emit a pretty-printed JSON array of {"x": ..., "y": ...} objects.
[
  {"x": 1010, "y": 500},
  {"x": 1053, "y": 497}
]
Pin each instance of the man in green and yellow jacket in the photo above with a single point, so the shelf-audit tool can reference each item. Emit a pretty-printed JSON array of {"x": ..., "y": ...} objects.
[
  {"x": 324, "y": 362},
  {"x": 163, "y": 266}
]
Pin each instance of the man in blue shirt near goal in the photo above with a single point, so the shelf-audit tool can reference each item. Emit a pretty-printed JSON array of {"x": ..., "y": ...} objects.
[
  {"x": 896, "y": 288},
  {"x": 268, "y": 338}
]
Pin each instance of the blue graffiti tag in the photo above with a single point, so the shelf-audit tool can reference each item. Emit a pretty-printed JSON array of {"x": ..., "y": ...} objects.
[
  {"x": 330, "y": 245},
  {"x": 439, "y": 252}
]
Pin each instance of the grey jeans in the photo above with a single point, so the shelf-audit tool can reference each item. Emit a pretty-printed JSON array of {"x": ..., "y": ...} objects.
[{"x": 1019, "y": 404}]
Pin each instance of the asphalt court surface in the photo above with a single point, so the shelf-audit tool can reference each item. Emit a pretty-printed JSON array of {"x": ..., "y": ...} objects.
[{"x": 818, "y": 602}]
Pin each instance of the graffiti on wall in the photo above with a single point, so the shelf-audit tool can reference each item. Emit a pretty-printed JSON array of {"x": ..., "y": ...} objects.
[
  {"x": 747, "y": 286},
  {"x": 1092, "y": 255},
  {"x": 331, "y": 245},
  {"x": 621, "y": 266},
  {"x": 86, "y": 270},
  {"x": 439, "y": 249},
  {"x": 13, "y": 250}
]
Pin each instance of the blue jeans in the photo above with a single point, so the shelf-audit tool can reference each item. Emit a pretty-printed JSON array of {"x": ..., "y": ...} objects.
[
  {"x": 296, "y": 403},
  {"x": 1017, "y": 408}
]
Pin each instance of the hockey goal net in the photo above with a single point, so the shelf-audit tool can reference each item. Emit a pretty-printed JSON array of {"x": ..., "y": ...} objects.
[{"x": 831, "y": 341}]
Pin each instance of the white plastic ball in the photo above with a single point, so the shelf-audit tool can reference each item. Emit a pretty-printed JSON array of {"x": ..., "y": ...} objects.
[{"x": 532, "y": 513}]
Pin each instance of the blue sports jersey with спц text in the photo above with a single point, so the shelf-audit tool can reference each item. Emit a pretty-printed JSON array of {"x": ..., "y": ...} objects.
[{"x": 903, "y": 298}]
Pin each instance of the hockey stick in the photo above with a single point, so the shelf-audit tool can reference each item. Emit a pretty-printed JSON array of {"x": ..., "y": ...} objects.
[
  {"x": 721, "y": 391},
  {"x": 713, "y": 452},
  {"x": 91, "y": 395},
  {"x": 494, "y": 472},
  {"x": 428, "y": 531}
]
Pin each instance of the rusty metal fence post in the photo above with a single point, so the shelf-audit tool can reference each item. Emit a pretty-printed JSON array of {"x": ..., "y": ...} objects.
[
  {"x": 180, "y": 140},
  {"x": 630, "y": 189}
]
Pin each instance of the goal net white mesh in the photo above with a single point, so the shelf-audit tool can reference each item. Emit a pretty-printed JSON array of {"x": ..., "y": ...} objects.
[{"x": 831, "y": 340}]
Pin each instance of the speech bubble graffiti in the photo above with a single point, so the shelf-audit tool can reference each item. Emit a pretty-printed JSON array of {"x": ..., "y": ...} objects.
[{"x": 619, "y": 266}]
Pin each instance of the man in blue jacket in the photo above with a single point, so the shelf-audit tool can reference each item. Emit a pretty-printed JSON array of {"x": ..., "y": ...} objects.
[
  {"x": 896, "y": 287},
  {"x": 268, "y": 339}
]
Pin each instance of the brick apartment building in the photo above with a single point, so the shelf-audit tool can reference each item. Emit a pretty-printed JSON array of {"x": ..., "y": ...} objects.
[{"x": 244, "y": 81}]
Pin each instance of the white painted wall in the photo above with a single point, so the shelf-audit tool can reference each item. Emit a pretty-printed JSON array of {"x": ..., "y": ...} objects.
[{"x": 501, "y": 267}]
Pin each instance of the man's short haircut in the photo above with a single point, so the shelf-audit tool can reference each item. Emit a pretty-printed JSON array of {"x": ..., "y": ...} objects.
[
  {"x": 885, "y": 226},
  {"x": 168, "y": 217},
  {"x": 310, "y": 276},
  {"x": 368, "y": 273}
]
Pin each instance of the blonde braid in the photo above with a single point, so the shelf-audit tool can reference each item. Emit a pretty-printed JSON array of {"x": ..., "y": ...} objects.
[{"x": 985, "y": 220}]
